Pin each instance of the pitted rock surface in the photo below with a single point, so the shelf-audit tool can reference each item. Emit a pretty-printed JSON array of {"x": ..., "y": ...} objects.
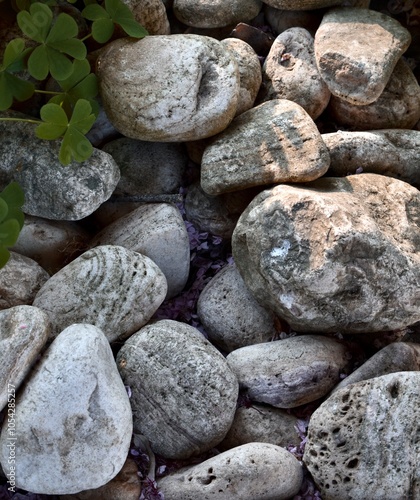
[
  {"x": 151, "y": 14},
  {"x": 264, "y": 145},
  {"x": 356, "y": 52},
  {"x": 363, "y": 441},
  {"x": 339, "y": 254},
  {"x": 169, "y": 88},
  {"x": 183, "y": 392}
]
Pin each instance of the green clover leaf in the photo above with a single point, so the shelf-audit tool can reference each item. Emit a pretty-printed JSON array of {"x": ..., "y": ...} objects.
[{"x": 11, "y": 218}]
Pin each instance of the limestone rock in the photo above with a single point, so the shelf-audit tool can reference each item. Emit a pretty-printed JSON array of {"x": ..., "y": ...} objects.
[
  {"x": 183, "y": 391},
  {"x": 169, "y": 88},
  {"x": 260, "y": 471},
  {"x": 157, "y": 231},
  {"x": 389, "y": 152},
  {"x": 291, "y": 372},
  {"x": 338, "y": 254},
  {"x": 113, "y": 288},
  {"x": 24, "y": 331},
  {"x": 151, "y": 14},
  {"x": 356, "y": 51},
  {"x": 264, "y": 145},
  {"x": 363, "y": 441},
  {"x": 290, "y": 72},
  {"x": 73, "y": 417}
]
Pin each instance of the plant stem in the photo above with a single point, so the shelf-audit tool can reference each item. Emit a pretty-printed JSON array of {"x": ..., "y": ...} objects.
[
  {"x": 20, "y": 120},
  {"x": 48, "y": 92},
  {"x": 86, "y": 37}
]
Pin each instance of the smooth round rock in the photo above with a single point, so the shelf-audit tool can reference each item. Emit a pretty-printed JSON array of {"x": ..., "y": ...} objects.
[
  {"x": 109, "y": 286},
  {"x": 260, "y": 471},
  {"x": 363, "y": 441},
  {"x": 168, "y": 88},
  {"x": 183, "y": 392},
  {"x": 73, "y": 417}
]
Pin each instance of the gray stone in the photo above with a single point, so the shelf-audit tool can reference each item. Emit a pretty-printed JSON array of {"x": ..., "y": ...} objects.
[
  {"x": 113, "y": 288},
  {"x": 169, "y": 88},
  {"x": 20, "y": 280},
  {"x": 183, "y": 391},
  {"x": 338, "y": 254},
  {"x": 230, "y": 314},
  {"x": 52, "y": 190},
  {"x": 290, "y": 72},
  {"x": 24, "y": 331},
  {"x": 157, "y": 231},
  {"x": 260, "y": 471},
  {"x": 363, "y": 441},
  {"x": 397, "y": 107},
  {"x": 291, "y": 372},
  {"x": 264, "y": 145},
  {"x": 356, "y": 51},
  {"x": 215, "y": 13},
  {"x": 151, "y": 14},
  {"x": 73, "y": 417},
  {"x": 391, "y": 152},
  {"x": 313, "y": 4},
  {"x": 281, "y": 20}
]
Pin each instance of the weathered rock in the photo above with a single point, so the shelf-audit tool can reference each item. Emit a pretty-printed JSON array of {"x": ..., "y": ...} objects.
[
  {"x": 290, "y": 72},
  {"x": 281, "y": 20},
  {"x": 230, "y": 314},
  {"x": 260, "y": 471},
  {"x": 313, "y": 4},
  {"x": 24, "y": 331},
  {"x": 356, "y": 52},
  {"x": 169, "y": 88},
  {"x": 73, "y": 417},
  {"x": 264, "y": 145},
  {"x": 157, "y": 231},
  {"x": 397, "y": 107},
  {"x": 183, "y": 391},
  {"x": 52, "y": 190},
  {"x": 338, "y": 254},
  {"x": 389, "y": 152},
  {"x": 20, "y": 280},
  {"x": 291, "y": 372},
  {"x": 363, "y": 441},
  {"x": 215, "y": 13},
  {"x": 261, "y": 424},
  {"x": 151, "y": 14},
  {"x": 113, "y": 288},
  {"x": 249, "y": 72}
]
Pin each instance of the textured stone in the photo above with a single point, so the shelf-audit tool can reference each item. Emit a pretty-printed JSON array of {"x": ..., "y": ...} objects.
[
  {"x": 363, "y": 441},
  {"x": 151, "y": 14},
  {"x": 388, "y": 152},
  {"x": 397, "y": 107},
  {"x": 215, "y": 13},
  {"x": 260, "y": 471},
  {"x": 73, "y": 417},
  {"x": 281, "y": 20},
  {"x": 24, "y": 331},
  {"x": 356, "y": 51},
  {"x": 52, "y": 190},
  {"x": 313, "y": 4},
  {"x": 169, "y": 88},
  {"x": 20, "y": 280},
  {"x": 156, "y": 230},
  {"x": 291, "y": 372},
  {"x": 290, "y": 72},
  {"x": 230, "y": 314},
  {"x": 113, "y": 288},
  {"x": 335, "y": 254},
  {"x": 264, "y": 145},
  {"x": 183, "y": 391}
]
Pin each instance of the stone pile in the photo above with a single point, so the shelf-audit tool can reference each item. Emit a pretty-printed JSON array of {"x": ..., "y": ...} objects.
[{"x": 308, "y": 369}]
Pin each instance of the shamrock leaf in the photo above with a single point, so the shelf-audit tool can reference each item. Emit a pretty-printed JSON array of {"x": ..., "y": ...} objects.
[{"x": 11, "y": 218}]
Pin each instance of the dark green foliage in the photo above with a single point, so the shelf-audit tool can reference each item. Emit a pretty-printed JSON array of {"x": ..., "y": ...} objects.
[{"x": 11, "y": 218}]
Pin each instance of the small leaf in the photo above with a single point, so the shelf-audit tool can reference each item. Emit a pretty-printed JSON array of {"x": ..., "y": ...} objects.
[
  {"x": 82, "y": 118},
  {"x": 3, "y": 209},
  {"x": 133, "y": 28},
  {"x": 14, "y": 197},
  {"x": 9, "y": 232},
  {"x": 55, "y": 122},
  {"x": 37, "y": 22},
  {"x": 21, "y": 89},
  {"x": 60, "y": 65},
  {"x": 122, "y": 15},
  {"x": 94, "y": 11},
  {"x": 72, "y": 47},
  {"x": 38, "y": 64},
  {"x": 75, "y": 145},
  {"x": 102, "y": 30},
  {"x": 4, "y": 256},
  {"x": 13, "y": 52},
  {"x": 65, "y": 27},
  {"x": 6, "y": 96}
]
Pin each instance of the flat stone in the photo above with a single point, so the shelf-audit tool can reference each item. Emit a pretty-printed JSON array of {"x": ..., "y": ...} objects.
[
  {"x": 260, "y": 471},
  {"x": 363, "y": 441},
  {"x": 353, "y": 268},
  {"x": 169, "y": 88},
  {"x": 157, "y": 231},
  {"x": 183, "y": 391},
  {"x": 290, "y": 72},
  {"x": 24, "y": 331},
  {"x": 73, "y": 417},
  {"x": 264, "y": 145},
  {"x": 391, "y": 152},
  {"x": 356, "y": 51},
  {"x": 109, "y": 286},
  {"x": 291, "y": 372}
]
